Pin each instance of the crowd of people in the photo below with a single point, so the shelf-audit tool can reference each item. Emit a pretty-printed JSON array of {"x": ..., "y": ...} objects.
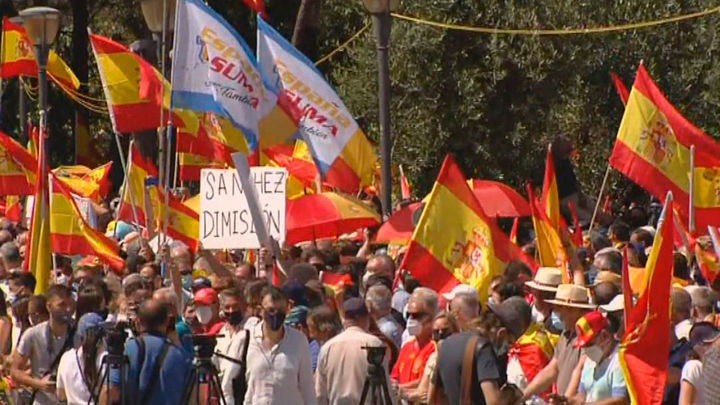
[{"x": 306, "y": 339}]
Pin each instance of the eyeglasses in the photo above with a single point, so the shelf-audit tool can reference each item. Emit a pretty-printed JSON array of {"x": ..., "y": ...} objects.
[{"x": 417, "y": 315}]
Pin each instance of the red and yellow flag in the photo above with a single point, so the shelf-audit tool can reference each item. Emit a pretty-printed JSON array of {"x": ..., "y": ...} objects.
[
  {"x": 644, "y": 347},
  {"x": 38, "y": 257},
  {"x": 622, "y": 91},
  {"x": 93, "y": 184},
  {"x": 139, "y": 169},
  {"x": 13, "y": 208},
  {"x": 548, "y": 242},
  {"x": 183, "y": 222},
  {"x": 71, "y": 235},
  {"x": 258, "y": 6},
  {"x": 550, "y": 198},
  {"x": 653, "y": 150},
  {"x": 215, "y": 138},
  {"x": 17, "y": 168},
  {"x": 18, "y": 58},
  {"x": 302, "y": 173},
  {"x": 189, "y": 166},
  {"x": 455, "y": 241}
]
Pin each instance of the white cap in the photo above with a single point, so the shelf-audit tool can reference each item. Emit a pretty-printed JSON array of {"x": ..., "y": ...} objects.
[
  {"x": 459, "y": 289},
  {"x": 617, "y": 304}
]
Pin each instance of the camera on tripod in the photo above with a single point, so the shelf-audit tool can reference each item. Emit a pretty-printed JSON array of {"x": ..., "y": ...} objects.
[
  {"x": 375, "y": 388},
  {"x": 204, "y": 345},
  {"x": 115, "y": 335},
  {"x": 375, "y": 354}
]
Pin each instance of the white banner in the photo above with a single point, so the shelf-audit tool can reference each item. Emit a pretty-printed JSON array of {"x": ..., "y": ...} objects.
[
  {"x": 225, "y": 219},
  {"x": 215, "y": 71}
]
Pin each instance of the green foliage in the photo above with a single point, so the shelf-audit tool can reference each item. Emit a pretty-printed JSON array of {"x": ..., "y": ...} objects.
[{"x": 494, "y": 101}]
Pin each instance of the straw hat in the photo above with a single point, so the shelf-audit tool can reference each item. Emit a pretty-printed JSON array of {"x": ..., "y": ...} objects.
[
  {"x": 546, "y": 279},
  {"x": 572, "y": 295},
  {"x": 607, "y": 276}
]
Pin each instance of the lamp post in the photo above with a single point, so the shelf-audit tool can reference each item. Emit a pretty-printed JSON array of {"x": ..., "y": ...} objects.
[
  {"x": 22, "y": 98},
  {"x": 41, "y": 25},
  {"x": 380, "y": 12}
]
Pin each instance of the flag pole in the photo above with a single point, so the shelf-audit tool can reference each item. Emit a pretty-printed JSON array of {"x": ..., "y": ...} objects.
[
  {"x": 691, "y": 199},
  {"x": 597, "y": 203},
  {"x": 126, "y": 180}
]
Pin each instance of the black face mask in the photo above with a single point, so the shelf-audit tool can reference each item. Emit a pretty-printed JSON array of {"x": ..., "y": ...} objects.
[
  {"x": 234, "y": 318},
  {"x": 274, "y": 320},
  {"x": 439, "y": 335}
]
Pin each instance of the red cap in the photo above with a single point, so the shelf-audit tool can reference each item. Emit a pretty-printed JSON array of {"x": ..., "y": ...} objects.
[
  {"x": 588, "y": 326},
  {"x": 205, "y": 296},
  {"x": 89, "y": 261}
]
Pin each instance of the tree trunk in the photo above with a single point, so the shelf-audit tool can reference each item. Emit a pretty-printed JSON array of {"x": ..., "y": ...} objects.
[
  {"x": 81, "y": 136},
  {"x": 307, "y": 28}
]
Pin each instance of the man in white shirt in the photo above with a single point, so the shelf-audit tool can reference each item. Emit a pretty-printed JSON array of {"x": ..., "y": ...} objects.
[
  {"x": 278, "y": 369},
  {"x": 232, "y": 342},
  {"x": 342, "y": 363}
]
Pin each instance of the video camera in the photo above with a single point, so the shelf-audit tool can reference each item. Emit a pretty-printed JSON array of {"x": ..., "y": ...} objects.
[
  {"x": 204, "y": 345},
  {"x": 115, "y": 335},
  {"x": 375, "y": 355}
]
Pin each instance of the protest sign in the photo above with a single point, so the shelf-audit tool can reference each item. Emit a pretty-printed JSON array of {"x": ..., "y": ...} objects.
[{"x": 225, "y": 219}]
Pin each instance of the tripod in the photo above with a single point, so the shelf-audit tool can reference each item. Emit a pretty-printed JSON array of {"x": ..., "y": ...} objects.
[
  {"x": 110, "y": 363},
  {"x": 376, "y": 385},
  {"x": 203, "y": 374}
]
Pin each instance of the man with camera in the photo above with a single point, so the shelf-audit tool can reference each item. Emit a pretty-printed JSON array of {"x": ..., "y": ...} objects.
[
  {"x": 157, "y": 366},
  {"x": 43, "y": 345}
]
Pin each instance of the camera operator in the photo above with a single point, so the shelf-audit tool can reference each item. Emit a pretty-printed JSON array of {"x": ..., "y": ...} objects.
[
  {"x": 343, "y": 363},
  {"x": 43, "y": 345},
  {"x": 233, "y": 343},
  {"x": 157, "y": 367}
]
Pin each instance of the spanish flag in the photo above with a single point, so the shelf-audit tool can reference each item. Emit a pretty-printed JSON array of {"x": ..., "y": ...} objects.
[
  {"x": 17, "y": 168},
  {"x": 302, "y": 173},
  {"x": 71, "y": 235},
  {"x": 18, "y": 58},
  {"x": 93, "y": 184},
  {"x": 644, "y": 347},
  {"x": 405, "y": 192},
  {"x": 653, "y": 150},
  {"x": 183, "y": 223},
  {"x": 133, "y": 90},
  {"x": 133, "y": 195},
  {"x": 548, "y": 242},
  {"x": 455, "y": 241},
  {"x": 216, "y": 139},
  {"x": 190, "y": 165},
  {"x": 38, "y": 257},
  {"x": 13, "y": 208},
  {"x": 550, "y": 198},
  {"x": 622, "y": 91}
]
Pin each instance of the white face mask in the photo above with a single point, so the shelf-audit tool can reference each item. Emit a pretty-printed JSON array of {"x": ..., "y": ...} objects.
[
  {"x": 594, "y": 353},
  {"x": 414, "y": 327},
  {"x": 203, "y": 314}
]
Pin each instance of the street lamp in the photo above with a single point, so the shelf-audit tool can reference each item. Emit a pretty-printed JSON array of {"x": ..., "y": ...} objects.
[
  {"x": 22, "y": 98},
  {"x": 380, "y": 12}
]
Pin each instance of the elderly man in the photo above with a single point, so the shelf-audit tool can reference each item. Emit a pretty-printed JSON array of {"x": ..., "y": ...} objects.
[
  {"x": 543, "y": 287},
  {"x": 342, "y": 363},
  {"x": 571, "y": 302},
  {"x": 422, "y": 307},
  {"x": 377, "y": 300},
  {"x": 465, "y": 306}
]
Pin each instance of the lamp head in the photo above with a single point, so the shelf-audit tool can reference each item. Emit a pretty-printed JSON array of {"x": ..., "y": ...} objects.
[{"x": 41, "y": 24}]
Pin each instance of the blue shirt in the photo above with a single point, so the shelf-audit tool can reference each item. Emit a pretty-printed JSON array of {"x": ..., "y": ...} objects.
[
  {"x": 168, "y": 388},
  {"x": 604, "y": 380},
  {"x": 314, "y": 347}
]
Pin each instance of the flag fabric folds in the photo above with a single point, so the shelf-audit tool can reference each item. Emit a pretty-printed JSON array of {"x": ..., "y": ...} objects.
[
  {"x": 38, "y": 257},
  {"x": 405, "y": 192},
  {"x": 18, "y": 58},
  {"x": 550, "y": 198},
  {"x": 215, "y": 71},
  {"x": 139, "y": 169},
  {"x": 190, "y": 165},
  {"x": 71, "y": 235},
  {"x": 17, "y": 168},
  {"x": 455, "y": 241},
  {"x": 653, "y": 150},
  {"x": 13, "y": 208},
  {"x": 548, "y": 243},
  {"x": 646, "y": 343},
  {"x": 622, "y": 91},
  {"x": 93, "y": 184},
  {"x": 317, "y": 115}
]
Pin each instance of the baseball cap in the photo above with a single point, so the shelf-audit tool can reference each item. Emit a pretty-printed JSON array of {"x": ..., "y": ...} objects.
[
  {"x": 702, "y": 332},
  {"x": 459, "y": 289},
  {"x": 616, "y": 304},
  {"x": 205, "y": 296},
  {"x": 510, "y": 313},
  {"x": 354, "y": 308},
  {"x": 200, "y": 283},
  {"x": 88, "y": 321},
  {"x": 588, "y": 326}
]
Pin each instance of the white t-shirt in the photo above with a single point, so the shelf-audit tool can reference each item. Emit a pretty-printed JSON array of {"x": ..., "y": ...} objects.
[
  {"x": 71, "y": 379},
  {"x": 692, "y": 372}
]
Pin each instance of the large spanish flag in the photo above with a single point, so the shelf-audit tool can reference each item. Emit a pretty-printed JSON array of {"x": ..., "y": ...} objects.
[
  {"x": 17, "y": 168},
  {"x": 548, "y": 242},
  {"x": 93, "y": 184},
  {"x": 455, "y": 241},
  {"x": 653, "y": 150},
  {"x": 71, "y": 235},
  {"x": 215, "y": 138},
  {"x": 18, "y": 58},
  {"x": 135, "y": 90},
  {"x": 550, "y": 198},
  {"x": 644, "y": 347}
]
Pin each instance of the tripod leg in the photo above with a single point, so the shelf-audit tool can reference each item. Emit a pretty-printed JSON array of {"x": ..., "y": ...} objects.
[
  {"x": 215, "y": 378},
  {"x": 363, "y": 396}
]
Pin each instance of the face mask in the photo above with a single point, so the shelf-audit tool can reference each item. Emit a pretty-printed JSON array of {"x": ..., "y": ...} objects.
[
  {"x": 274, "y": 320},
  {"x": 12, "y": 297},
  {"x": 234, "y": 318},
  {"x": 186, "y": 281},
  {"x": 203, "y": 314},
  {"x": 594, "y": 353},
  {"x": 60, "y": 316},
  {"x": 556, "y": 322},
  {"x": 439, "y": 335},
  {"x": 62, "y": 279},
  {"x": 414, "y": 327}
]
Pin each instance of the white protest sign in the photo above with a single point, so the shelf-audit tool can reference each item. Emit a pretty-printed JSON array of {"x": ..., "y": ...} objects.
[{"x": 225, "y": 219}]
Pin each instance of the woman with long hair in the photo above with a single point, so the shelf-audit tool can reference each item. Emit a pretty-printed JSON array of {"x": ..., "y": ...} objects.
[
  {"x": 79, "y": 367},
  {"x": 5, "y": 327}
]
